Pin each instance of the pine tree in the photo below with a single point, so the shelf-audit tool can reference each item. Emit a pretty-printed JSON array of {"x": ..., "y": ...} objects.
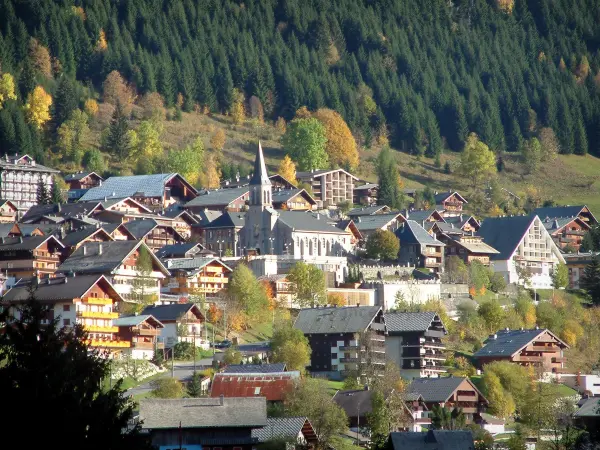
[
  {"x": 56, "y": 194},
  {"x": 389, "y": 187},
  {"x": 117, "y": 141},
  {"x": 65, "y": 101},
  {"x": 194, "y": 388},
  {"x": 590, "y": 281},
  {"x": 43, "y": 197}
]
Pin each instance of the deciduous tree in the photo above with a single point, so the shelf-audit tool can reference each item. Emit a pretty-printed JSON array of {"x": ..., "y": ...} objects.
[
  {"x": 213, "y": 174},
  {"x": 232, "y": 356},
  {"x": 477, "y": 161},
  {"x": 167, "y": 388},
  {"x": 341, "y": 146},
  {"x": 90, "y": 107},
  {"x": 40, "y": 58},
  {"x": 38, "y": 107},
  {"x": 383, "y": 244},
  {"x": 287, "y": 169},
  {"x": 116, "y": 90},
  {"x": 237, "y": 110},
  {"x": 188, "y": 161},
  {"x": 532, "y": 154},
  {"x": 501, "y": 402},
  {"x": 7, "y": 88},
  {"x": 93, "y": 161},
  {"x": 305, "y": 141},
  {"x": 72, "y": 135},
  {"x": 247, "y": 291},
  {"x": 217, "y": 142},
  {"x": 290, "y": 346},
  {"x": 308, "y": 284},
  {"x": 560, "y": 276}
]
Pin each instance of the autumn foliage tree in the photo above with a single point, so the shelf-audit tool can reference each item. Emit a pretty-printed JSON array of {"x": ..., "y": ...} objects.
[
  {"x": 217, "y": 142},
  {"x": 287, "y": 169},
  {"x": 116, "y": 90},
  {"x": 383, "y": 244},
  {"x": 38, "y": 107},
  {"x": 7, "y": 88},
  {"x": 477, "y": 161},
  {"x": 341, "y": 146},
  {"x": 40, "y": 58}
]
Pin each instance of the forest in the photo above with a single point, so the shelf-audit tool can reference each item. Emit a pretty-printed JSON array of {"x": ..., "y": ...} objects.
[{"x": 422, "y": 75}]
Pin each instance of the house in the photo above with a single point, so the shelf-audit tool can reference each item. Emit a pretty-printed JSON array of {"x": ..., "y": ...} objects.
[
  {"x": 280, "y": 182},
  {"x": 117, "y": 260},
  {"x": 588, "y": 416},
  {"x": 75, "y": 239},
  {"x": 357, "y": 404},
  {"x": 555, "y": 212},
  {"x": 222, "y": 235},
  {"x": 182, "y": 220},
  {"x": 523, "y": 243},
  {"x": 329, "y": 186},
  {"x": 492, "y": 424},
  {"x": 182, "y": 323},
  {"x": 538, "y": 348},
  {"x": 281, "y": 288},
  {"x": 233, "y": 200},
  {"x": 414, "y": 343},
  {"x": 118, "y": 232},
  {"x": 155, "y": 191},
  {"x": 154, "y": 235},
  {"x": 366, "y": 194},
  {"x": 349, "y": 226},
  {"x": 367, "y": 225},
  {"x": 293, "y": 430},
  {"x": 183, "y": 250},
  {"x": 418, "y": 248},
  {"x": 8, "y": 211},
  {"x": 205, "y": 217},
  {"x": 274, "y": 386},
  {"x": 422, "y": 216},
  {"x": 255, "y": 368},
  {"x": 88, "y": 300},
  {"x": 451, "y": 392},
  {"x": 335, "y": 336},
  {"x": 293, "y": 200},
  {"x": 197, "y": 276},
  {"x": 368, "y": 211},
  {"x": 584, "y": 384},
  {"x": 20, "y": 177},
  {"x": 30, "y": 256},
  {"x": 567, "y": 232},
  {"x": 576, "y": 263},
  {"x": 79, "y": 183},
  {"x": 467, "y": 247},
  {"x": 432, "y": 440},
  {"x": 143, "y": 332},
  {"x": 451, "y": 202},
  {"x": 203, "y": 423},
  {"x": 463, "y": 222}
]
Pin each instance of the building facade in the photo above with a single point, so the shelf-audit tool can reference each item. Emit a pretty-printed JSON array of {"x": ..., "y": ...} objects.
[
  {"x": 142, "y": 331},
  {"x": 418, "y": 248},
  {"x": 329, "y": 187},
  {"x": 197, "y": 276},
  {"x": 20, "y": 177}
]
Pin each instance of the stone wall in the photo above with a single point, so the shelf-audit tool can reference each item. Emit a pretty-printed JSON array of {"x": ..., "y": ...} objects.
[{"x": 379, "y": 272}]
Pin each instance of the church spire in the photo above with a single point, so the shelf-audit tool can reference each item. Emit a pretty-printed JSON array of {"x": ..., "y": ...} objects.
[{"x": 260, "y": 176}]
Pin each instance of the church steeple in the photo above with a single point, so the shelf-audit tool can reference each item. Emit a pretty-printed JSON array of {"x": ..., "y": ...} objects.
[{"x": 260, "y": 185}]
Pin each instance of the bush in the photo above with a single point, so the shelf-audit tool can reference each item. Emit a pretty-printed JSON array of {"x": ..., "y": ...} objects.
[{"x": 167, "y": 388}]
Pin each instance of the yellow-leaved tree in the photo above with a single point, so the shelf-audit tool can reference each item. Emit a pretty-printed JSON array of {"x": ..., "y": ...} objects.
[
  {"x": 40, "y": 58},
  {"x": 213, "y": 175},
  {"x": 101, "y": 45},
  {"x": 477, "y": 161},
  {"x": 7, "y": 88},
  {"x": 90, "y": 107},
  {"x": 341, "y": 146},
  {"x": 287, "y": 169},
  {"x": 38, "y": 106},
  {"x": 237, "y": 111}
]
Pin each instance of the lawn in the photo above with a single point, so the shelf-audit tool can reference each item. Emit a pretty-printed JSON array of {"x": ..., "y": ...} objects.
[
  {"x": 129, "y": 382},
  {"x": 334, "y": 386}
]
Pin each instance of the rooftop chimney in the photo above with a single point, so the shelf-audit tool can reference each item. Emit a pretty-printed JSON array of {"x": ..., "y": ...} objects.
[
  {"x": 100, "y": 248},
  {"x": 84, "y": 250}
]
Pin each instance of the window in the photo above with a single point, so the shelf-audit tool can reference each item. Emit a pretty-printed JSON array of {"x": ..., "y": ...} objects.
[
  {"x": 66, "y": 322},
  {"x": 334, "y": 356},
  {"x": 66, "y": 308},
  {"x": 257, "y": 391}
]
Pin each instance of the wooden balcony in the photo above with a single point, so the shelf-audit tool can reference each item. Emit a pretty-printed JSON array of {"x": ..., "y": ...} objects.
[
  {"x": 109, "y": 343},
  {"x": 220, "y": 280},
  {"x": 466, "y": 398},
  {"x": 147, "y": 331},
  {"x": 559, "y": 359},
  {"x": 98, "y": 301},
  {"x": 535, "y": 359},
  {"x": 540, "y": 348},
  {"x": 143, "y": 345},
  {"x": 98, "y": 315},
  {"x": 99, "y": 329}
]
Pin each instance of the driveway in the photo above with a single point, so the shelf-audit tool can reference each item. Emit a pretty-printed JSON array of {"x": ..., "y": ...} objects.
[{"x": 182, "y": 370}]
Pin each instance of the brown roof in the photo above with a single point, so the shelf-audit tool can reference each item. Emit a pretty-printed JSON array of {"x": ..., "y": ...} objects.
[{"x": 273, "y": 386}]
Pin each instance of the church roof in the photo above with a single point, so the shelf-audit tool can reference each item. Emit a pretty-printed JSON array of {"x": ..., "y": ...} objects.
[
  {"x": 307, "y": 221},
  {"x": 260, "y": 175}
]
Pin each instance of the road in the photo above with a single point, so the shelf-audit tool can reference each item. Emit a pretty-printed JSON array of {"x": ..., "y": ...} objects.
[{"x": 182, "y": 370}]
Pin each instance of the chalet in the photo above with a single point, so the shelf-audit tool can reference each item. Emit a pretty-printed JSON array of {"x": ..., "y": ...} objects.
[
  {"x": 203, "y": 423},
  {"x": 295, "y": 430},
  {"x": 254, "y": 368},
  {"x": 183, "y": 250},
  {"x": 36, "y": 213},
  {"x": 414, "y": 343},
  {"x": 538, "y": 348},
  {"x": 233, "y": 200},
  {"x": 33, "y": 256},
  {"x": 142, "y": 331},
  {"x": 118, "y": 232},
  {"x": 576, "y": 263},
  {"x": 208, "y": 276},
  {"x": 463, "y": 222},
  {"x": 205, "y": 217},
  {"x": 367, "y": 225},
  {"x": 183, "y": 322},
  {"x": 567, "y": 232},
  {"x": 556, "y": 212},
  {"x": 88, "y": 300},
  {"x": 330, "y": 186},
  {"x": 8, "y": 211},
  {"x": 274, "y": 386},
  {"x": 467, "y": 247},
  {"x": 20, "y": 176},
  {"x": 368, "y": 211},
  {"x": 279, "y": 182},
  {"x": 419, "y": 248},
  {"x": 523, "y": 243},
  {"x": 117, "y": 260},
  {"x": 282, "y": 289},
  {"x": 335, "y": 336},
  {"x": 79, "y": 183},
  {"x": 182, "y": 221},
  {"x": 19, "y": 230},
  {"x": 155, "y": 191},
  {"x": 75, "y": 239},
  {"x": 350, "y": 227},
  {"x": 154, "y": 235},
  {"x": 366, "y": 194},
  {"x": 222, "y": 235},
  {"x": 433, "y": 439},
  {"x": 422, "y": 216},
  {"x": 293, "y": 200},
  {"x": 451, "y": 203},
  {"x": 450, "y": 392}
]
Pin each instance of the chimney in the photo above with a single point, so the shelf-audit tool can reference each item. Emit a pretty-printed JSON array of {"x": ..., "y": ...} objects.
[
  {"x": 100, "y": 248},
  {"x": 84, "y": 250},
  {"x": 493, "y": 337},
  {"x": 221, "y": 399}
]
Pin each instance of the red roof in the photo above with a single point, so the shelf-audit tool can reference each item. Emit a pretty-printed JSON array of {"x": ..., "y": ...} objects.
[{"x": 273, "y": 386}]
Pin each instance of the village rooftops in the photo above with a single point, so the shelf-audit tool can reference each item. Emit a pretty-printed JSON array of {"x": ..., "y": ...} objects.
[
  {"x": 227, "y": 220},
  {"x": 195, "y": 263},
  {"x": 285, "y": 428},
  {"x": 254, "y": 368},
  {"x": 424, "y": 215},
  {"x": 553, "y": 212},
  {"x": 368, "y": 210},
  {"x": 217, "y": 197},
  {"x": 308, "y": 221},
  {"x": 437, "y": 390},
  {"x": 320, "y": 172},
  {"x": 505, "y": 233},
  {"x": 171, "y": 312},
  {"x": 404, "y": 322},
  {"x": 274, "y": 386},
  {"x": 75, "y": 237},
  {"x": 80, "y": 176},
  {"x": 9, "y": 244},
  {"x": 376, "y": 221},
  {"x": 413, "y": 233},
  {"x": 509, "y": 342},
  {"x": 245, "y": 412},
  {"x": 23, "y": 162},
  {"x": 179, "y": 250},
  {"x": 134, "y": 321},
  {"x": 336, "y": 320}
]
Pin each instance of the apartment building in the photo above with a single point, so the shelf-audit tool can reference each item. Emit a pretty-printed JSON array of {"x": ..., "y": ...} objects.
[
  {"x": 329, "y": 187},
  {"x": 20, "y": 177}
]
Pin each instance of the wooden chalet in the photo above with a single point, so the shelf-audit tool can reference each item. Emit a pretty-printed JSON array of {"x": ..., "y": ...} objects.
[
  {"x": 197, "y": 275},
  {"x": 8, "y": 211},
  {"x": 83, "y": 180},
  {"x": 467, "y": 247},
  {"x": 75, "y": 239},
  {"x": 233, "y": 200},
  {"x": 567, "y": 232},
  {"x": 538, "y": 347},
  {"x": 183, "y": 322},
  {"x": 555, "y": 212},
  {"x": 32, "y": 256},
  {"x": 366, "y": 194},
  {"x": 152, "y": 233},
  {"x": 293, "y": 200},
  {"x": 142, "y": 331},
  {"x": 451, "y": 202}
]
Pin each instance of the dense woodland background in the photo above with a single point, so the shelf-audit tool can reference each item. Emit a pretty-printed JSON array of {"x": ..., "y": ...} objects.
[{"x": 427, "y": 72}]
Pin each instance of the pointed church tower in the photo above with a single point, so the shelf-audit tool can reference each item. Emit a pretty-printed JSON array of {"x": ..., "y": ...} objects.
[{"x": 260, "y": 185}]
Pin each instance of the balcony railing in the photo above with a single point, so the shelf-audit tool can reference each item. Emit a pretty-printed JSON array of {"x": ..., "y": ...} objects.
[
  {"x": 348, "y": 360},
  {"x": 111, "y": 343},
  {"x": 98, "y": 301},
  {"x": 98, "y": 315},
  {"x": 520, "y": 358},
  {"x": 349, "y": 348},
  {"x": 559, "y": 359},
  {"x": 99, "y": 329}
]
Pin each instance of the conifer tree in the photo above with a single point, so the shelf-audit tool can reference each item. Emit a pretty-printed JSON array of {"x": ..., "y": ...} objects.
[
  {"x": 388, "y": 179},
  {"x": 590, "y": 281},
  {"x": 43, "y": 196},
  {"x": 117, "y": 141}
]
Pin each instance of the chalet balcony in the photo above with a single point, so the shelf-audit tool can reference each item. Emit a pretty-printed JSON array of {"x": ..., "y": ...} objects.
[
  {"x": 109, "y": 343},
  {"x": 98, "y": 301},
  {"x": 433, "y": 334},
  {"x": 560, "y": 370},
  {"x": 542, "y": 348},
  {"x": 100, "y": 329},
  {"x": 147, "y": 331},
  {"x": 576, "y": 233},
  {"x": 532, "y": 359},
  {"x": 98, "y": 315},
  {"x": 559, "y": 359},
  {"x": 147, "y": 345}
]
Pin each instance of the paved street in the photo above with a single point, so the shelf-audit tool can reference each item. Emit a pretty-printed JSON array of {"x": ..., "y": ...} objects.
[{"x": 182, "y": 370}]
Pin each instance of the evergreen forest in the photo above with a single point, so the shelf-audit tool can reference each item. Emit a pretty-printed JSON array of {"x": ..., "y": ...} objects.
[{"x": 423, "y": 73}]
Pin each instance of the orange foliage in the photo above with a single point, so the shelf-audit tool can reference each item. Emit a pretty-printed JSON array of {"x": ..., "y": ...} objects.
[
  {"x": 214, "y": 314},
  {"x": 341, "y": 146},
  {"x": 40, "y": 58},
  {"x": 472, "y": 291},
  {"x": 336, "y": 299},
  {"x": 238, "y": 321},
  {"x": 482, "y": 290},
  {"x": 116, "y": 90},
  {"x": 101, "y": 45}
]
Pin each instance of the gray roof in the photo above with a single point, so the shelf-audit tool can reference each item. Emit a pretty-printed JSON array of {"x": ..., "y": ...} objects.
[
  {"x": 5, "y": 228},
  {"x": 590, "y": 408},
  {"x": 319, "y": 172},
  {"x": 308, "y": 221},
  {"x": 205, "y": 217},
  {"x": 192, "y": 263},
  {"x": 413, "y": 233},
  {"x": 130, "y": 186},
  {"x": 435, "y": 390},
  {"x": 75, "y": 237},
  {"x": 280, "y": 428},
  {"x": 204, "y": 412},
  {"x": 557, "y": 223},
  {"x": 366, "y": 186},
  {"x": 432, "y": 440},
  {"x": 509, "y": 342},
  {"x": 504, "y": 233},
  {"x": 217, "y": 197},
  {"x": 439, "y": 198},
  {"x": 366, "y": 210},
  {"x": 228, "y": 220},
  {"x": 255, "y": 368},
  {"x": 399, "y": 322},
  {"x": 80, "y": 176},
  {"x": 64, "y": 210},
  {"x": 10, "y": 163},
  {"x": 353, "y": 401},
  {"x": 284, "y": 195},
  {"x": 25, "y": 243},
  {"x": 168, "y": 312},
  {"x": 133, "y": 321},
  {"x": 139, "y": 228},
  {"x": 177, "y": 250},
  {"x": 56, "y": 289},
  {"x": 421, "y": 215},
  {"x": 553, "y": 212},
  {"x": 260, "y": 175},
  {"x": 336, "y": 320},
  {"x": 375, "y": 221}
]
